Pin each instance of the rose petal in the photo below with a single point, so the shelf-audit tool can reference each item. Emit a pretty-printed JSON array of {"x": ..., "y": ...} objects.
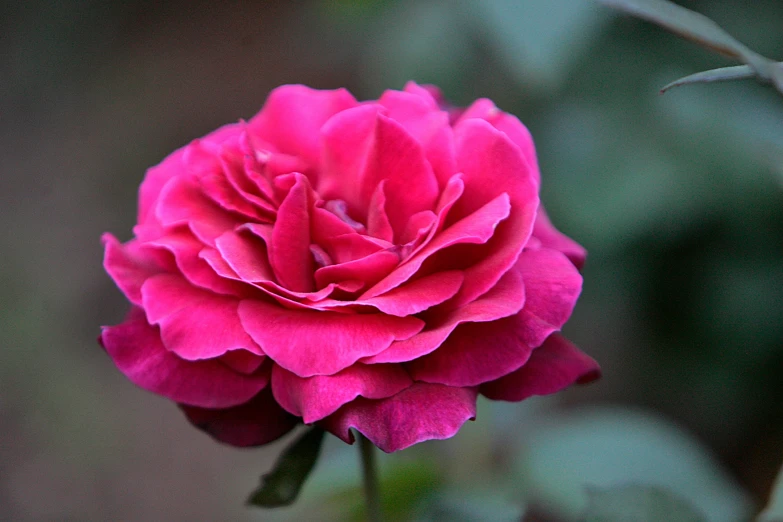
[
  {"x": 186, "y": 250},
  {"x": 476, "y": 228},
  {"x": 490, "y": 163},
  {"x": 552, "y": 286},
  {"x": 138, "y": 352},
  {"x": 259, "y": 421},
  {"x": 242, "y": 361},
  {"x": 421, "y": 412},
  {"x": 129, "y": 265},
  {"x": 181, "y": 202},
  {"x": 293, "y": 115},
  {"x": 552, "y": 367},
  {"x": 377, "y": 221},
  {"x": 289, "y": 250},
  {"x": 552, "y": 238},
  {"x": 246, "y": 255},
  {"x": 509, "y": 125},
  {"x": 506, "y": 298},
  {"x": 311, "y": 343},
  {"x": 194, "y": 324},
  {"x": 474, "y": 353},
  {"x": 314, "y": 398},
  {"x": 369, "y": 269}
]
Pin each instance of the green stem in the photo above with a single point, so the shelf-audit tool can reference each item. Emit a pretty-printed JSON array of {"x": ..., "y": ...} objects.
[{"x": 370, "y": 477}]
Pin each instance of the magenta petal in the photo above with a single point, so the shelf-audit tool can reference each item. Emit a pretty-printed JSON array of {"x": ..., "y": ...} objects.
[
  {"x": 490, "y": 163},
  {"x": 289, "y": 249},
  {"x": 410, "y": 183},
  {"x": 368, "y": 269},
  {"x": 246, "y": 255},
  {"x": 181, "y": 202},
  {"x": 474, "y": 353},
  {"x": 242, "y": 361},
  {"x": 259, "y": 421},
  {"x": 314, "y": 398},
  {"x": 186, "y": 250},
  {"x": 552, "y": 367},
  {"x": 138, "y": 352},
  {"x": 293, "y": 115},
  {"x": 311, "y": 343},
  {"x": 476, "y": 228},
  {"x": 377, "y": 221},
  {"x": 421, "y": 412},
  {"x": 509, "y": 125},
  {"x": 419, "y": 295},
  {"x": 506, "y": 298},
  {"x": 552, "y": 238},
  {"x": 129, "y": 266},
  {"x": 194, "y": 324},
  {"x": 552, "y": 286}
]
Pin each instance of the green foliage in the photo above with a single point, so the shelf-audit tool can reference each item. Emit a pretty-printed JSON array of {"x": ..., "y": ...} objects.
[
  {"x": 607, "y": 448},
  {"x": 636, "y": 503},
  {"x": 702, "y": 30},
  {"x": 282, "y": 484}
]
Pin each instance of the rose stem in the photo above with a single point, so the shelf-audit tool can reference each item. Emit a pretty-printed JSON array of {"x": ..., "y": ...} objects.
[{"x": 370, "y": 477}]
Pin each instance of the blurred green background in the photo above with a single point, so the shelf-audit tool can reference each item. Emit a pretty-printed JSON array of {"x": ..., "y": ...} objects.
[{"x": 678, "y": 199}]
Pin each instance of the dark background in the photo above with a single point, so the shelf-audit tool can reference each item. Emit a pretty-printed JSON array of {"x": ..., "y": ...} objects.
[{"x": 678, "y": 199}]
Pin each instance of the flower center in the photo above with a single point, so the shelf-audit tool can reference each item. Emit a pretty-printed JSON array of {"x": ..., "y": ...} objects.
[{"x": 340, "y": 209}]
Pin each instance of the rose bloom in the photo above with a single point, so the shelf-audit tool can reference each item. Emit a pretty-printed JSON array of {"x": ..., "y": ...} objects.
[{"x": 369, "y": 265}]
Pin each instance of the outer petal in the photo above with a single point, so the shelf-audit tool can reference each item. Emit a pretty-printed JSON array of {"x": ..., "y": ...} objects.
[
  {"x": 475, "y": 353},
  {"x": 505, "y": 299},
  {"x": 509, "y": 125},
  {"x": 492, "y": 164},
  {"x": 314, "y": 398},
  {"x": 554, "y": 366},
  {"x": 421, "y": 412},
  {"x": 194, "y": 324},
  {"x": 259, "y": 421},
  {"x": 293, "y": 115},
  {"x": 552, "y": 238},
  {"x": 311, "y": 343},
  {"x": 552, "y": 285},
  {"x": 129, "y": 266},
  {"x": 138, "y": 352}
]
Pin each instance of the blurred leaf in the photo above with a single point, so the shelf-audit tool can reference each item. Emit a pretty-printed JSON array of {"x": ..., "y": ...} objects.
[
  {"x": 774, "y": 510},
  {"x": 738, "y": 72},
  {"x": 605, "y": 447},
  {"x": 700, "y": 29},
  {"x": 469, "y": 507},
  {"x": 402, "y": 487},
  {"x": 281, "y": 486},
  {"x": 637, "y": 503}
]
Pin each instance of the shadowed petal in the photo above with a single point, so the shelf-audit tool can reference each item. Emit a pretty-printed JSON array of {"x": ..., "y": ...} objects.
[
  {"x": 552, "y": 238},
  {"x": 421, "y": 412},
  {"x": 552, "y": 367},
  {"x": 552, "y": 286},
  {"x": 137, "y": 350},
  {"x": 194, "y": 324},
  {"x": 474, "y": 353},
  {"x": 311, "y": 343},
  {"x": 313, "y": 398},
  {"x": 506, "y": 298},
  {"x": 259, "y": 421}
]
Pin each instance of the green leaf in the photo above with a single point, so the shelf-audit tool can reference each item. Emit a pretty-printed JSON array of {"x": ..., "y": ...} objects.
[
  {"x": 774, "y": 510},
  {"x": 606, "y": 447},
  {"x": 723, "y": 74},
  {"x": 700, "y": 29},
  {"x": 638, "y": 503},
  {"x": 281, "y": 486},
  {"x": 684, "y": 22}
]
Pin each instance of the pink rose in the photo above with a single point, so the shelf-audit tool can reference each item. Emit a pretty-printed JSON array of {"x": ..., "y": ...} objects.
[{"x": 369, "y": 265}]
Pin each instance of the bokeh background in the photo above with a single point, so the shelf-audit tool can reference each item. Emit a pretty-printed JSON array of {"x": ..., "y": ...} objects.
[{"x": 678, "y": 199}]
